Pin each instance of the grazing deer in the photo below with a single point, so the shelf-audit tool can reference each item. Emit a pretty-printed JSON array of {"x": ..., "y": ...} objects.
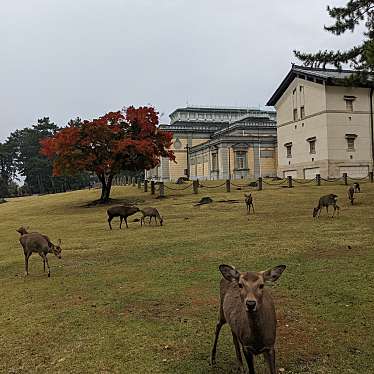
[
  {"x": 350, "y": 193},
  {"x": 38, "y": 243},
  {"x": 357, "y": 187},
  {"x": 121, "y": 211},
  {"x": 249, "y": 310},
  {"x": 151, "y": 213},
  {"x": 326, "y": 201},
  {"x": 249, "y": 203}
]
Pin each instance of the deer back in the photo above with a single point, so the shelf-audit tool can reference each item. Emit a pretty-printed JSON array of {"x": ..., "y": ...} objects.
[{"x": 34, "y": 242}]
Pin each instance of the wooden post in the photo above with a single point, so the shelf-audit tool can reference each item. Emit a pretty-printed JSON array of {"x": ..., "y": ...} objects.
[
  {"x": 371, "y": 176},
  {"x": 139, "y": 183},
  {"x": 153, "y": 187},
  {"x": 259, "y": 183},
  {"x": 345, "y": 177},
  {"x": 318, "y": 179},
  {"x": 195, "y": 186},
  {"x": 162, "y": 189},
  {"x": 133, "y": 181},
  {"x": 145, "y": 185},
  {"x": 289, "y": 180},
  {"x": 228, "y": 185}
]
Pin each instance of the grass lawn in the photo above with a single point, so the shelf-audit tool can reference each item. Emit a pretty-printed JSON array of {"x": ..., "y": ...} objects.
[{"x": 145, "y": 300}]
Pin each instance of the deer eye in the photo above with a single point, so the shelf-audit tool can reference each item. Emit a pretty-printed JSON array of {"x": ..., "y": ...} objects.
[
  {"x": 240, "y": 285},
  {"x": 261, "y": 286}
]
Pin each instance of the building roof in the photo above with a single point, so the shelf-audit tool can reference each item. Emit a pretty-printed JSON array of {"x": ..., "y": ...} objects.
[
  {"x": 219, "y": 109},
  {"x": 327, "y": 76}
]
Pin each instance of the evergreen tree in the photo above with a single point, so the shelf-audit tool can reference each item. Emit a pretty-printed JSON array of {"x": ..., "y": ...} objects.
[{"x": 360, "y": 57}]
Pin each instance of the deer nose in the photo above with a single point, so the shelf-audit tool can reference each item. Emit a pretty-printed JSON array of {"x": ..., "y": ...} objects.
[{"x": 251, "y": 305}]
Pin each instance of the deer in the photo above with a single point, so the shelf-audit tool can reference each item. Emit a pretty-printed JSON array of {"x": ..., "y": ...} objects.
[
  {"x": 357, "y": 187},
  {"x": 248, "y": 308},
  {"x": 249, "y": 203},
  {"x": 326, "y": 201},
  {"x": 121, "y": 211},
  {"x": 151, "y": 213},
  {"x": 37, "y": 243},
  {"x": 350, "y": 193}
]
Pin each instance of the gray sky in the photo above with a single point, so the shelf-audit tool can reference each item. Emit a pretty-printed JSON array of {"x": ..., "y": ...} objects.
[{"x": 69, "y": 58}]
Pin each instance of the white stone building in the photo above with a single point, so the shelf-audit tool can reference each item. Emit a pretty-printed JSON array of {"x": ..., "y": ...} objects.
[{"x": 323, "y": 126}]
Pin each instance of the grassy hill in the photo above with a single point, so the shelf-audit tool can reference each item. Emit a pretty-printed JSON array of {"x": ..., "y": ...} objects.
[{"x": 145, "y": 300}]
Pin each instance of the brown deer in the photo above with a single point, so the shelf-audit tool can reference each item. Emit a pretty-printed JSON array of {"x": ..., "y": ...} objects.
[
  {"x": 326, "y": 201},
  {"x": 351, "y": 193},
  {"x": 38, "y": 243},
  {"x": 357, "y": 187},
  {"x": 151, "y": 213},
  {"x": 249, "y": 310},
  {"x": 121, "y": 211},
  {"x": 249, "y": 203}
]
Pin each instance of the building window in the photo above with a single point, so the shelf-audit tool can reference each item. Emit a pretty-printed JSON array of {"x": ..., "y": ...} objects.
[
  {"x": 350, "y": 141},
  {"x": 302, "y": 112},
  {"x": 295, "y": 114},
  {"x": 214, "y": 162},
  {"x": 241, "y": 160},
  {"x": 288, "y": 149},
  {"x": 349, "y": 103}
]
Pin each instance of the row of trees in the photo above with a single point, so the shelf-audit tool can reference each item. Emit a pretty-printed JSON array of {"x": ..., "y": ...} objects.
[
  {"x": 20, "y": 159},
  {"x": 52, "y": 159}
]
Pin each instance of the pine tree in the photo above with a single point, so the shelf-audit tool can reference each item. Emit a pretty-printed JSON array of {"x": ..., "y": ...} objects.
[{"x": 360, "y": 57}]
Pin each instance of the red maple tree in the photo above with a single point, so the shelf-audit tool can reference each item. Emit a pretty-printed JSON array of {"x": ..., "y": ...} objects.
[{"x": 117, "y": 141}]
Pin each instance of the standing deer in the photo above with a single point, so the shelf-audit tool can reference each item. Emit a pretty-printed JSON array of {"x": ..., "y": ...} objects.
[
  {"x": 151, "y": 213},
  {"x": 38, "y": 243},
  {"x": 121, "y": 211},
  {"x": 350, "y": 193},
  {"x": 23, "y": 230},
  {"x": 326, "y": 201},
  {"x": 249, "y": 310},
  {"x": 249, "y": 203}
]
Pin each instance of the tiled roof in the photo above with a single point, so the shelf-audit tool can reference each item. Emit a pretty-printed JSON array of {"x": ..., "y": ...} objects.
[{"x": 328, "y": 76}]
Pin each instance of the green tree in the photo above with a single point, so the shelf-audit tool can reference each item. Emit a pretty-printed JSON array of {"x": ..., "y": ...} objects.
[
  {"x": 7, "y": 169},
  {"x": 359, "y": 57}
]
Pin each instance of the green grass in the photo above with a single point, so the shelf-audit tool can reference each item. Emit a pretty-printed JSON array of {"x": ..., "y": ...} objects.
[{"x": 144, "y": 300}]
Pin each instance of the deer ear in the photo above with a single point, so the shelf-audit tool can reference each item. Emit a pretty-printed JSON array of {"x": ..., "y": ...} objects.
[
  {"x": 229, "y": 273},
  {"x": 271, "y": 275}
]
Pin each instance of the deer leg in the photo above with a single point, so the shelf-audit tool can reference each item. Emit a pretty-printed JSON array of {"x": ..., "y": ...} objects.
[
  {"x": 327, "y": 210},
  {"x": 46, "y": 261},
  {"x": 120, "y": 223},
  {"x": 109, "y": 221},
  {"x": 253, "y": 208},
  {"x": 27, "y": 256},
  {"x": 237, "y": 351},
  {"x": 126, "y": 222},
  {"x": 141, "y": 221},
  {"x": 270, "y": 359},
  {"x": 219, "y": 325},
  {"x": 249, "y": 358}
]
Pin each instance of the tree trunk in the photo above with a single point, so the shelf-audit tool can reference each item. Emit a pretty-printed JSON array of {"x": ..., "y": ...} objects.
[{"x": 106, "y": 186}]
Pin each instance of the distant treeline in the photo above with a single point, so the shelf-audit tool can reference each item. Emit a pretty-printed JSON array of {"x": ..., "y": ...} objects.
[{"x": 20, "y": 160}]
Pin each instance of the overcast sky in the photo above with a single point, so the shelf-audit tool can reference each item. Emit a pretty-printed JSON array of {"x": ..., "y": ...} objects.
[{"x": 69, "y": 58}]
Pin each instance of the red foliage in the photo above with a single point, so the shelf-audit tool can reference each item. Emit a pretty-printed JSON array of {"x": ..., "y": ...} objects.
[{"x": 117, "y": 141}]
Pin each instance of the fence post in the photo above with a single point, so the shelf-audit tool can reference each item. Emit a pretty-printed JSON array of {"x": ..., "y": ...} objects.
[
  {"x": 259, "y": 183},
  {"x": 318, "y": 179},
  {"x": 152, "y": 187},
  {"x": 345, "y": 177},
  {"x": 162, "y": 189},
  {"x": 145, "y": 185},
  {"x": 371, "y": 176},
  {"x": 133, "y": 181},
  {"x": 228, "y": 185},
  {"x": 195, "y": 185},
  {"x": 289, "y": 180}
]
